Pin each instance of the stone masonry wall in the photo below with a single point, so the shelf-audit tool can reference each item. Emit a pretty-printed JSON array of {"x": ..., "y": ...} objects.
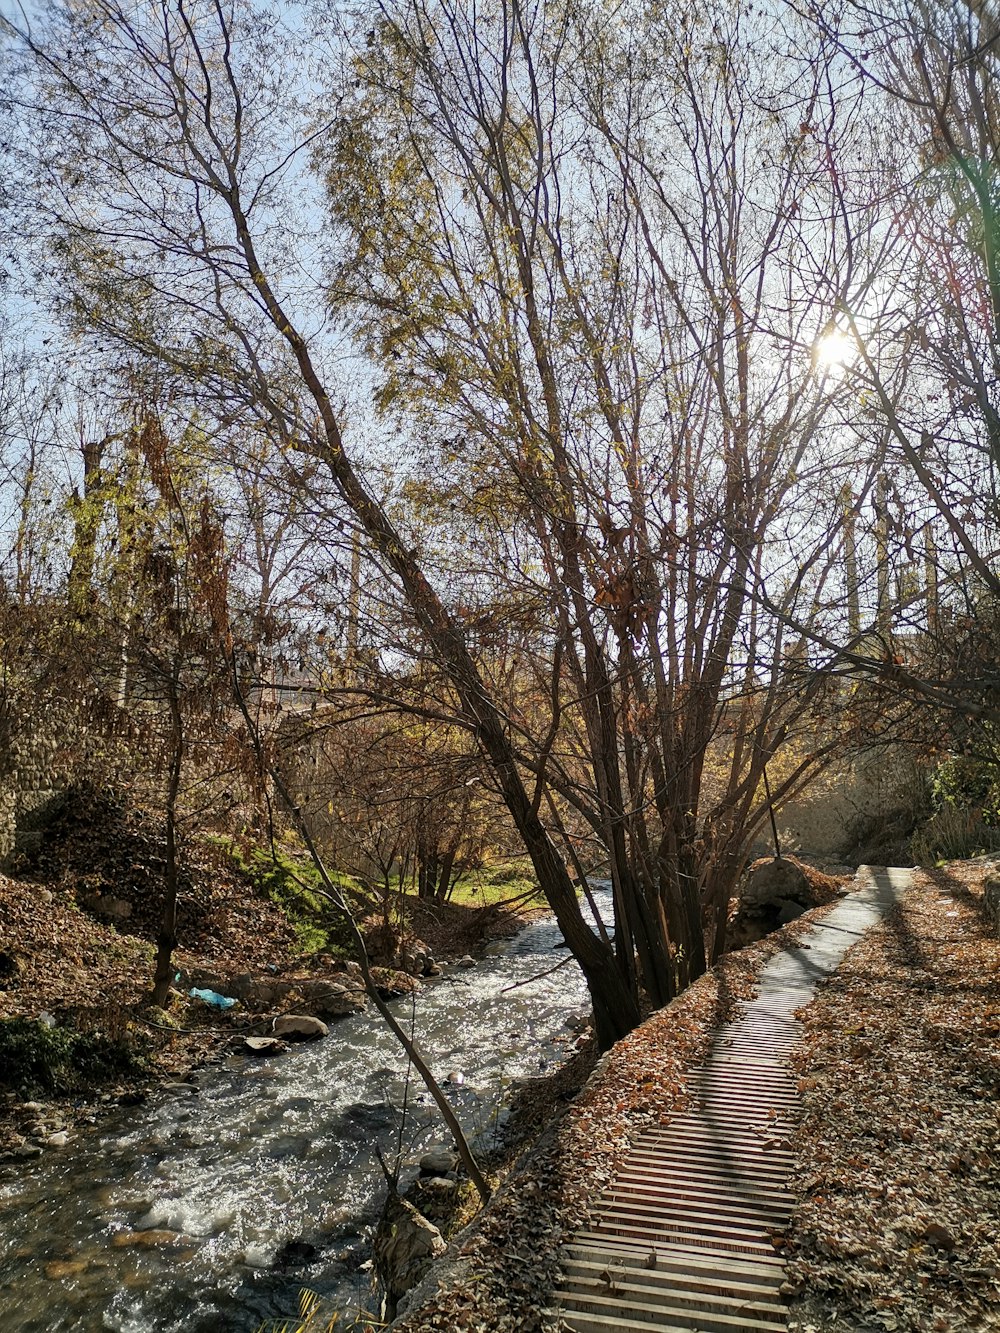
[{"x": 35, "y": 738}]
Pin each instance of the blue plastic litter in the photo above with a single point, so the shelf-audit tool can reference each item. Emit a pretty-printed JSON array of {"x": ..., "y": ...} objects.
[{"x": 213, "y": 998}]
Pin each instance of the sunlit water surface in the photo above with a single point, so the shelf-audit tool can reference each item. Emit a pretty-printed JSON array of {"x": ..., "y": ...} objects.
[{"x": 264, "y": 1155}]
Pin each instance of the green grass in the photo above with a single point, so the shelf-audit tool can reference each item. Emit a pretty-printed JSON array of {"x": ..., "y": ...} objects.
[
  {"x": 291, "y": 881},
  {"x": 494, "y": 884}
]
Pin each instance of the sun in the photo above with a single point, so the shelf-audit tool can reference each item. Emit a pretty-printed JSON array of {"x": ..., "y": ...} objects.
[{"x": 834, "y": 350}]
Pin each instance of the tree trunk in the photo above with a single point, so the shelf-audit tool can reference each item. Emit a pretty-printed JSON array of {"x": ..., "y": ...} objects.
[
  {"x": 616, "y": 1004},
  {"x": 167, "y": 939}
]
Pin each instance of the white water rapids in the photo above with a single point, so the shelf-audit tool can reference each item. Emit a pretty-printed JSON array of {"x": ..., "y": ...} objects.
[{"x": 260, "y": 1157}]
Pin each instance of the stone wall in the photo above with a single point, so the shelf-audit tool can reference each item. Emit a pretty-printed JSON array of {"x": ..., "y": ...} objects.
[
  {"x": 35, "y": 738},
  {"x": 825, "y": 819}
]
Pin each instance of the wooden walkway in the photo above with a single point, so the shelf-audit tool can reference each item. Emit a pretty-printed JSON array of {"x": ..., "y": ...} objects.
[{"x": 683, "y": 1238}]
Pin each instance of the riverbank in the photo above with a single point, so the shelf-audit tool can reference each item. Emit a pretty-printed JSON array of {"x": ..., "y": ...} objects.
[
  {"x": 76, "y": 952},
  {"x": 896, "y": 1167},
  {"x": 213, "y": 1204},
  {"x": 896, "y": 1164}
]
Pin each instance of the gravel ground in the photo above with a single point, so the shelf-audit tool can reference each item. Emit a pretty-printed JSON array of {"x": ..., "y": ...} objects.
[
  {"x": 499, "y": 1274},
  {"x": 897, "y": 1166}
]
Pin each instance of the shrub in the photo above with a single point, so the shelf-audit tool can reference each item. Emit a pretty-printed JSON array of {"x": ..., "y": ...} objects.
[
  {"x": 36, "y": 1059},
  {"x": 953, "y": 834},
  {"x": 968, "y": 785}
]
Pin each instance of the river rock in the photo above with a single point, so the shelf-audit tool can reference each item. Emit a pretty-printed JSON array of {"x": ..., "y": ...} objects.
[
  {"x": 299, "y": 1027},
  {"x": 414, "y": 957},
  {"x": 57, "y": 1140},
  {"x": 777, "y": 880},
  {"x": 456, "y": 1078},
  {"x": 264, "y": 1045},
  {"x": 295, "y": 1253},
  {"x": 438, "y": 1161},
  {"x": 331, "y": 1000},
  {"x": 466, "y": 960},
  {"x": 148, "y": 1240},
  {"x": 406, "y": 1245},
  {"x": 57, "y": 1269},
  {"x": 180, "y": 1089}
]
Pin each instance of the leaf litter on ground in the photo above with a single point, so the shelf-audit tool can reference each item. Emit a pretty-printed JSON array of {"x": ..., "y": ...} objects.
[{"x": 896, "y": 1164}]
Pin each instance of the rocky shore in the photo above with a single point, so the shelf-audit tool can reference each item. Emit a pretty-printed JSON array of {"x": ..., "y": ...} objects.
[{"x": 68, "y": 966}]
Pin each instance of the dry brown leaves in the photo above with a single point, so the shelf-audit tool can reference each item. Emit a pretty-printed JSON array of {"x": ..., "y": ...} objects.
[
  {"x": 897, "y": 1166},
  {"x": 500, "y": 1274}
]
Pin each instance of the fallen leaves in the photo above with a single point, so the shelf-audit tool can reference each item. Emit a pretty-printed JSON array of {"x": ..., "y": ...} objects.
[
  {"x": 895, "y": 1152},
  {"x": 516, "y": 1247}
]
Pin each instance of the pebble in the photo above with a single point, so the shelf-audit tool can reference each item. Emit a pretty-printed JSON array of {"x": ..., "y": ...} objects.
[
  {"x": 148, "y": 1240},
  {"x": 57, "y": 1269},
  {"x": 58, "y": 1140}
]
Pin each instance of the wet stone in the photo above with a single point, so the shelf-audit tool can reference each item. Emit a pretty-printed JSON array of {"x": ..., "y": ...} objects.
[
  {"x": 149, "y": 1240},
  {"x": 264, "y": 1045},
  {"x": 57, "y": 1269},
  {"x": 438, "y": 1162}
]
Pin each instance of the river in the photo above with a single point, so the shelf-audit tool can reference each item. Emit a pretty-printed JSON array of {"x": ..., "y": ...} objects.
[{"x": 207, "y": 1212}]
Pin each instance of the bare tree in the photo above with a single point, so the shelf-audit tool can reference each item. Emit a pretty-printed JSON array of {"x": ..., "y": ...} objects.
[{"x": 587, "y": 262}]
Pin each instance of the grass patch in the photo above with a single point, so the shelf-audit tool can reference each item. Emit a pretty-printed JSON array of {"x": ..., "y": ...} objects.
[
  {"x": 39, "y": 1060},
  {"x": 495, "y": 884},
  {"x": 291, "y": 881}
]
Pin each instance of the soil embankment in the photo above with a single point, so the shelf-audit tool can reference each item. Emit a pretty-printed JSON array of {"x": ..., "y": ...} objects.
[{"x": 77, "y": 932}]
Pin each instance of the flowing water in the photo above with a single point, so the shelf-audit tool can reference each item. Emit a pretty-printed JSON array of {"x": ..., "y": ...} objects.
[{"x": 208, "y": 1212}]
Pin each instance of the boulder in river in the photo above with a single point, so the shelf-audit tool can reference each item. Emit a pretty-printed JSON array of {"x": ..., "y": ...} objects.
[
  {"x": 331, "y": 1000},
  {"x": 294, "y": 1253},
  {"x": 264, "y": 1045},
  {"x": 299, "y": 1027}
]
